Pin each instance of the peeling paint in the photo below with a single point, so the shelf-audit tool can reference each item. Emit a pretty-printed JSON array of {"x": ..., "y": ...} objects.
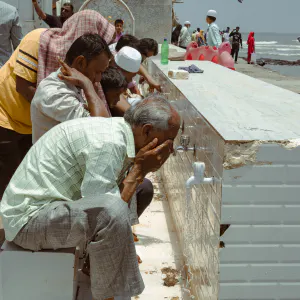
[
  {"x": 239, "y": 155},
  {"x": 291, "y": 144}
]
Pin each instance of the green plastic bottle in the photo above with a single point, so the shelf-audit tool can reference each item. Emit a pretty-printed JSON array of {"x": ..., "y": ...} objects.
[{"x": 165, "y": 52}]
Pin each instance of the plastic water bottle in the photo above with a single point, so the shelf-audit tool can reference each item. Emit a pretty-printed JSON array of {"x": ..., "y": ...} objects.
[{"x": 165, "y": 52}]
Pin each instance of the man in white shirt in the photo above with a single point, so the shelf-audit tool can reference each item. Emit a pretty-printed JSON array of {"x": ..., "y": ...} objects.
[
  {"x": 70, "y": 189},
  {"x": 58, "y": 100},
  {"x": 185, "y": 36},
  {"x": 226, "y": 36},
  {"x": 213, "y": 37}
]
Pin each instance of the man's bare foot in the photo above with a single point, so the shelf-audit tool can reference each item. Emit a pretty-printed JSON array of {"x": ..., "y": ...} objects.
[
  {"x": 139, "y": 259},
  {"x": 135, "y": 238}
]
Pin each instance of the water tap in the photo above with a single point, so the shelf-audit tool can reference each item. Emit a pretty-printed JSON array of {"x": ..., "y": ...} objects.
[{"x": 184, "y": 142}]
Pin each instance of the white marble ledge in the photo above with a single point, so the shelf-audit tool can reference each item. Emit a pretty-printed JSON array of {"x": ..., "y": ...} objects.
[{"x": 239, "y": 107}]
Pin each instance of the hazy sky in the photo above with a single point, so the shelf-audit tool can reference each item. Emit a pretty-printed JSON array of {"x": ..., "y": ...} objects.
[{"x": 282, "y": 16}]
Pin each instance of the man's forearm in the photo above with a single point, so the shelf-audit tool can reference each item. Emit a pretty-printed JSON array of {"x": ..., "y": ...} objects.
[
  {"x": 38, "y": 10},
  {"x": 131, "y": 182},
  {"x": 96, "y": 105},
  {"x": 25, "y": 88},
  {"x": 143, "y": 72}
]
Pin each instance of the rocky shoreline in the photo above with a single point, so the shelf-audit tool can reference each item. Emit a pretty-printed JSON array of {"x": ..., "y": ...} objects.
[
  {"x": 276, "y": 62},
  {"x": 269, "y": 61}
]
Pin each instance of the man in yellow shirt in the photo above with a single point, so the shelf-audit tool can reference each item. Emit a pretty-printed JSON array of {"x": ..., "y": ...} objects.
[{"x": 18, "y": 79}]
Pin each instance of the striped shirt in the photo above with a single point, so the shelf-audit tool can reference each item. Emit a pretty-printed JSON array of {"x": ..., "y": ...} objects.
[
  {"x": 14, "y": 108},
  {"x": 10, "y": 31},
  {"x": 78, "y": 158}
]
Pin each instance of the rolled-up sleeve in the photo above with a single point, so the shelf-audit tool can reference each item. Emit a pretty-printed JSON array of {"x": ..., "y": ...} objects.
[{"x": 64, "y": 107}]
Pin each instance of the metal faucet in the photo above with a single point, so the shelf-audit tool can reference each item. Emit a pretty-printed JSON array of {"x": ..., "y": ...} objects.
[{"x": 184, "y": 142}]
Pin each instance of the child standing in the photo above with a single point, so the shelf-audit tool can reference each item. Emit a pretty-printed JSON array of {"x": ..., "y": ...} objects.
[{"x": 119, "y": 29}]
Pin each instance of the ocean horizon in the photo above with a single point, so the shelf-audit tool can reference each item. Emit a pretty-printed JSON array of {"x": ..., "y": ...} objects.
[{"x": 276, "y": 46}]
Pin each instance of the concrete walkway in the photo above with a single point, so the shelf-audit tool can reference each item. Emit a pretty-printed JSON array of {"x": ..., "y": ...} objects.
[
  {"x": 267, "y": 75},
  {"x": 159, "y": 247}
]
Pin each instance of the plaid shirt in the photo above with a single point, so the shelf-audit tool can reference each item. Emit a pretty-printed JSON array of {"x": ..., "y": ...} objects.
[{"x": 78, "y": 158}]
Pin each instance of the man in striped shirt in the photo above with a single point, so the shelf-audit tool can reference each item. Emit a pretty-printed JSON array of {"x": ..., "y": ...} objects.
[{"x": 15, "y": 123}]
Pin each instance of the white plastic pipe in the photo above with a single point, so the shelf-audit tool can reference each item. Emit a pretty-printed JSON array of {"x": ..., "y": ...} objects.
[{"x": 198, "y": 178}]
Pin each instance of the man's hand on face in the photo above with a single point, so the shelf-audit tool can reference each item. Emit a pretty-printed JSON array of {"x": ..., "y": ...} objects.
[
  {"x": 152, "y": 157},
  {"x": 74, "y": 77}
]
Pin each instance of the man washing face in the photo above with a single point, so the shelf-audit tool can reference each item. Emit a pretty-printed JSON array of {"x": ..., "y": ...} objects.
[{"x": 76, "y": 191}]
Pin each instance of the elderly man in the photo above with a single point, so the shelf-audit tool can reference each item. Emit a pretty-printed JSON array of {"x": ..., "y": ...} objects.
[
  {"x": 213, "y": 38},
  {"x": 185, "y": 36},
  {"x": 10, "y": 31},
  {"x": 70, "y": 189}
]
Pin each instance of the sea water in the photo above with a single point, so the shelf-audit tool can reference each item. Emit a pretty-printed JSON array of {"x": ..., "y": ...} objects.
[{"x": 276, "y": 46}]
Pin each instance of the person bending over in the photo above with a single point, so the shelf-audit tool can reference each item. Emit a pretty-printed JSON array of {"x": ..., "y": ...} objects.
[
  {"x": 31, "y": 62},
  {"x": 147, "y": 48},
  {"x": 58, "y": 98},
  {"x": 67, "y": 11},
  {"x": 114, "y": 84},
  {"x": 76, "y": 192}
]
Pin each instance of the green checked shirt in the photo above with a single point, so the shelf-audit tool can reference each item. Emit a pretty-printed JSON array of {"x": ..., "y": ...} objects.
[{"x": 78, "y": 158}]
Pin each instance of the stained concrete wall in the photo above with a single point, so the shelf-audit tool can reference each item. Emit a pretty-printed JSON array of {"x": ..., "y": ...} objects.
[{"x": 153, "y": 18}]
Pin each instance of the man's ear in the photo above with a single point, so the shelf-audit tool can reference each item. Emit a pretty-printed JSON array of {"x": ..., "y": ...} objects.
[
  {"x": 147, "y": 129},
  {"x": 79, "y": 63}
]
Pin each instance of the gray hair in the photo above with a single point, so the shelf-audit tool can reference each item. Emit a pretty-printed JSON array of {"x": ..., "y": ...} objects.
[{"x": 154, "y": 110}]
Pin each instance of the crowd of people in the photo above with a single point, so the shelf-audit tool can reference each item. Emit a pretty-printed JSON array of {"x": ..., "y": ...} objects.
[
  {"x": 77, "y": 139},
  {"x": 74, "y": 150},
  {"x": 213, "y": 36}
]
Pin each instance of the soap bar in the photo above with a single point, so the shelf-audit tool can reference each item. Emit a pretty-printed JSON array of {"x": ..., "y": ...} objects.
[{"x": 178, "y": 74}]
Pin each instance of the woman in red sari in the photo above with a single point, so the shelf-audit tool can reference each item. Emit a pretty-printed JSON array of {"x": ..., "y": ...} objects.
[{"x": 251, "y": 46}]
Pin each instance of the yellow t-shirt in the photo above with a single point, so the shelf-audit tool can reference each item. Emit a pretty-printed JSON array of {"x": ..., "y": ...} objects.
[{"x": 14, "y": 108}]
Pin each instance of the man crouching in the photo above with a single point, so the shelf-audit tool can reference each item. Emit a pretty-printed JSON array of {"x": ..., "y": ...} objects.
[{"x": 68, "y": 190}]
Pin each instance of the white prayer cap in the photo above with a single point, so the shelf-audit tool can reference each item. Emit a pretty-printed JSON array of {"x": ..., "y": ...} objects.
[
  {"x": 212, "y": 13},
  {"x": 187, "y": 23},
  {"x": 129, "y": 59}
]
